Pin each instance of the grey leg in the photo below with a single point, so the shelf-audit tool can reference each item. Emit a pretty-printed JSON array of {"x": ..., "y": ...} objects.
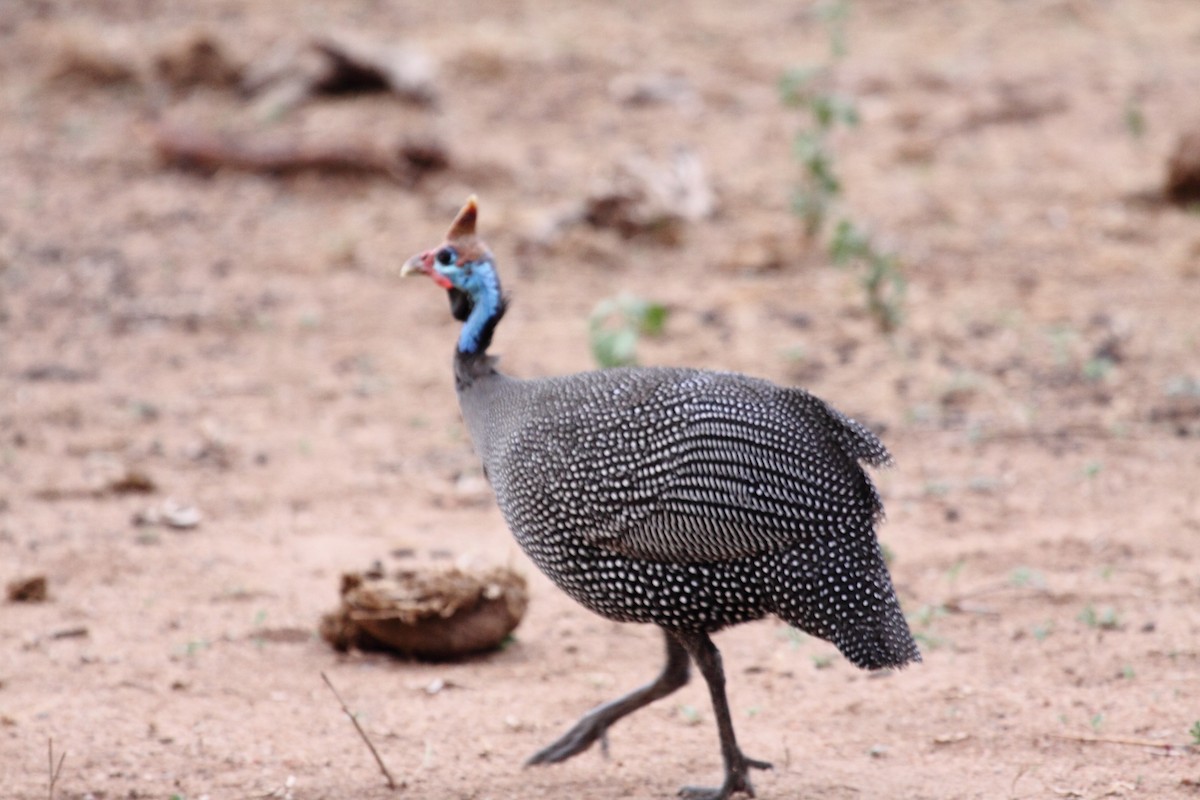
[
  {"x": 594, "y": 724},
  {"x": 737, "y": 766}
]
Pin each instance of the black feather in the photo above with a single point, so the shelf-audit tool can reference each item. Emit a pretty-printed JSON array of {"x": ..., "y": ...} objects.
[{"x": 460, "y": 304}]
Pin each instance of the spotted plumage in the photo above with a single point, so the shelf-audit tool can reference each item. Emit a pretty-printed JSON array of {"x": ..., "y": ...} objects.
[{"x": 689, "y": 499}]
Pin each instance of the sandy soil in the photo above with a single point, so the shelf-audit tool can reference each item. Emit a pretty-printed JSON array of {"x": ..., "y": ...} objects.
[{"x": 240, "y": 341}]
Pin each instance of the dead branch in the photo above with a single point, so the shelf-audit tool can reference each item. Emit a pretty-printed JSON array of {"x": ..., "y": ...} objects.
[
  {"x": 74, "y": 632},
  {"x": 961, "y": 603},
  {"x": 209, "y": 151},
  {"x": 958, "y": 606},
  {"x": 391, "y": 783},
  {"x": 1130, "y": 742}
]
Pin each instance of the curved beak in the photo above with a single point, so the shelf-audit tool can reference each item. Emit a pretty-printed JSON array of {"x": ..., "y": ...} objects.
[{"x": 420, "y": 263}]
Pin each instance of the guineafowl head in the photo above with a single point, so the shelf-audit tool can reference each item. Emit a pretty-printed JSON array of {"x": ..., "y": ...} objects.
[{"x": 463, "y": 266}]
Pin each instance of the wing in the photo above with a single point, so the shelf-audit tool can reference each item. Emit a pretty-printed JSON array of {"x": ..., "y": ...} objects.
[{"x": 696, "y": 466}]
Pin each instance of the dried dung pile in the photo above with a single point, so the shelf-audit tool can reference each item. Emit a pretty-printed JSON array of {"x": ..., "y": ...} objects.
[{"x": 428, "y": 611}]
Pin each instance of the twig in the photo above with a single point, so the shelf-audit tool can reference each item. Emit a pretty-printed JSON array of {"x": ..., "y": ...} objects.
[
  {"x": 382, "y": 768},
  {"x": 54, "y": 771},
  {"x": 1121, "y": 740},
  {"x": 69, "y": 633},
  {"x": 958, "y": 603},
  {"x": 957, "y": 606},
  {"x": 1012, "y": 789}
]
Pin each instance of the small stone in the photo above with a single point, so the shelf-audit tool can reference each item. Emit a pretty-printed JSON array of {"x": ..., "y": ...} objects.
[
  {"x": 28, "y": 590},
  {"x": 182, "y": 517},
  {"x": 1183, "y": 169}
]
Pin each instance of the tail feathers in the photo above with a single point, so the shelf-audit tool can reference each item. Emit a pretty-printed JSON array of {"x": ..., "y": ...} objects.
[
  {"x": 858, "y": 441},
  {"x": 878, "y": 640},
  {"x": 857, "y": 611},
  {"x": 852, "y": 437}
]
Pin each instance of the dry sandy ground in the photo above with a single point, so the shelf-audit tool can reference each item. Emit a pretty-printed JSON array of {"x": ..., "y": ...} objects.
[{"x": 238, "y": 339}]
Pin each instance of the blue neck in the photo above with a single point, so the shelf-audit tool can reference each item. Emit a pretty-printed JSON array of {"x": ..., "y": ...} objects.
[{"x": 487, "y": 307}]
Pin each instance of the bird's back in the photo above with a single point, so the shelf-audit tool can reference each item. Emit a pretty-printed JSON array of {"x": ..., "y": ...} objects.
[{"x": 661, "y": 470}]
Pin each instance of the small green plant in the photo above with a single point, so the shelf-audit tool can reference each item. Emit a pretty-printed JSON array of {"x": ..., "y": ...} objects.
[
  {"x": 984, "y": 484},
  {"x": 690, "y": 715},
  {"x": 148, "y": 538},
  {"x": 1135, "y": 118},
  {"x": 1097, "y": 722},
  {"x": 926, "y": 614},
  {"x": 928, "y": 641},
  {"x": 834, "y": 14},
  {"x": 259, "y": 639},
  {"x": 880, "y": 277},
  {"x": 795, "y": 353},
  {"x": 1040, "y": 632},
  {"x": 922, "y": 621},
  {"x": 1194, "y": 731},
  {"x": 310, "y": 320},
  {"x": 1062, "y": 338},
  {"x": 1098, "y": 368},
  {"x": 819, "y": 187},
  {"x": 1027, "y": 576},
  {"x": 195, "y": 646},
  {"x": 937, "y": 488},
  {"x": 1106, "y": 619},
  {"x": 809, "y": 90},
  {"x": 794, "y": 636},
  {"x": 617, "y": 323},
  {"x": 144, "y": 411},
  {"x": 975, "y": 435},
  {"x": 822, "y": 661}
]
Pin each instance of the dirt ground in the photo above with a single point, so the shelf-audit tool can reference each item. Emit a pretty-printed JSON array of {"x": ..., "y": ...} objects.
[{"x": 238, "y": 343}]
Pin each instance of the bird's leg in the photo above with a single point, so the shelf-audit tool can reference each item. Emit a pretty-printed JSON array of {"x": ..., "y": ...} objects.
[
  {"x": 737, "y": 765},
  {"x": 594, "y": 724}
]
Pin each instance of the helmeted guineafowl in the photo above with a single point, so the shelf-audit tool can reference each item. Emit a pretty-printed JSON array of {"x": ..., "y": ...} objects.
[{"x": 690, "y": 499}]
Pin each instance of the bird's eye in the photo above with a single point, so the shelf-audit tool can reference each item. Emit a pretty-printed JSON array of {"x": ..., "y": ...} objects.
[{"x": 446, "y": 256}]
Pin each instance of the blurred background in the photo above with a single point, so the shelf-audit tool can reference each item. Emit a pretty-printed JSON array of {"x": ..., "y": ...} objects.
[{"x": 974, "y": 227}]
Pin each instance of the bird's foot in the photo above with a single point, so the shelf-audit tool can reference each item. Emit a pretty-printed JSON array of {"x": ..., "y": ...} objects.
[
  {"x": 583, "y": 735},
  {"x": 737, "y": 779}
]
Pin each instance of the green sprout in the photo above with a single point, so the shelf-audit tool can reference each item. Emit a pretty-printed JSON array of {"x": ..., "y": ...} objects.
[
  {"x": 815, "y": 198},
  {"x": 1106, "y": 619},
  {"x": 617, "y": 323}
]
